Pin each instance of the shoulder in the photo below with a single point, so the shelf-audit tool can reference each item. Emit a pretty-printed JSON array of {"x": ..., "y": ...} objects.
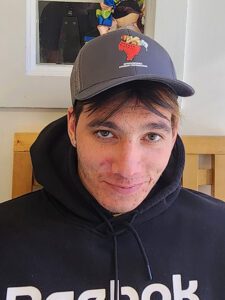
[
  {"x": 202, "y": 208},
  {"x": 19, "y": 202},
  {"x": 24, "y": 209},
  {"x": 201, "y": 199},
  {"x": 25, "y": 222}
]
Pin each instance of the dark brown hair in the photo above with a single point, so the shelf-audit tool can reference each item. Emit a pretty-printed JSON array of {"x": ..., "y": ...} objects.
[{"x": 150, "y": 94}]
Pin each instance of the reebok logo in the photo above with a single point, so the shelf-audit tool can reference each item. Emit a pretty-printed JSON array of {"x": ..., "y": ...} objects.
[{"x": 178, "y": 293}]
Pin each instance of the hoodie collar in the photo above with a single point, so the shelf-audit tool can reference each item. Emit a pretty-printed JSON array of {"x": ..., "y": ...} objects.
[{"x": 55, "y": 168}]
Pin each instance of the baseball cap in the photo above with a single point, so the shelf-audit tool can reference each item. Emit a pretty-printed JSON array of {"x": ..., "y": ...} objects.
[{"x": 119, "y": 57}]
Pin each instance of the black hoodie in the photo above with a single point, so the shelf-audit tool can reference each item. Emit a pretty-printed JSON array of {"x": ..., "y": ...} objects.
[{"x": 60, "y": 244}]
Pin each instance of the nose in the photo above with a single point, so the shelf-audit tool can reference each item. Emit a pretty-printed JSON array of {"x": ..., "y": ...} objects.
[{"x": 127, "y": 160}]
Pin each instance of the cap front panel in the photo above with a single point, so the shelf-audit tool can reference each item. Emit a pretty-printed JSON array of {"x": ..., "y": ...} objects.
[
  {"x": 119, "y": 57},
  {"x": 115, "y": 56}
]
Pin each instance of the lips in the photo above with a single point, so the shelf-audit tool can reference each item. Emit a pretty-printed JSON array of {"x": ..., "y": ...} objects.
[{"x": 124, "y": 189}]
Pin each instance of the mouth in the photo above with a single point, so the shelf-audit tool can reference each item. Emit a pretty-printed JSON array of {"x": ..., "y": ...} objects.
[{"x": 124, "y": 189}]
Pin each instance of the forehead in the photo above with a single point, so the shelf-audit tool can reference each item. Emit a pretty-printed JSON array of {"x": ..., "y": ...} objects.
[{"x": 120, "y": 111}]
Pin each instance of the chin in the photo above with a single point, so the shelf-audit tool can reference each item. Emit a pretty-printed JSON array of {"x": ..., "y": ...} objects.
[{"x": 121, "y": 206}]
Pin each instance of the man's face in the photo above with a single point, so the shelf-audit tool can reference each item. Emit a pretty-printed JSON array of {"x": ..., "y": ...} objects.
[{"x": 121, "y": 159}]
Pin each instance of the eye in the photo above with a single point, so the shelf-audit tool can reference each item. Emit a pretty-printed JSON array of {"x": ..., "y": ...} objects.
[
  {"x": 104, "y": 134},
  {"x": 153, "y": 137}
]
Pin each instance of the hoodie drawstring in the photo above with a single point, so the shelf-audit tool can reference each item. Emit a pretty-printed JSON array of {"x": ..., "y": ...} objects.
[
  {"x": 115, "y": 234},
  {"x": 142, "y": 249},
  {"x": 116, "y": 291},
  {"x": 116, "y": 269}
]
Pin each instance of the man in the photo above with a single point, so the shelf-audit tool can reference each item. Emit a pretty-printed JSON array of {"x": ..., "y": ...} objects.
[{"x": 112, "y": 221}]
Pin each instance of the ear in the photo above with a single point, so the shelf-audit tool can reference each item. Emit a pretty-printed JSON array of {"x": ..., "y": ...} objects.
[{"x": 71, "y": 126}]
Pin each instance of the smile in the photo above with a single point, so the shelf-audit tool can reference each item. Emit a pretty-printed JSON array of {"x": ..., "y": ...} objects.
[{"x": 122, "y": 189}]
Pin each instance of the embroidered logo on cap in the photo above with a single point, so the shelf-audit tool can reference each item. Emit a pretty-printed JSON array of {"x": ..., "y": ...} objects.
[{"x": 131, "y": 46}]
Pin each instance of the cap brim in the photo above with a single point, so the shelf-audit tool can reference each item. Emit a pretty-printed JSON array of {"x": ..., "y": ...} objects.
[{"x": 179, "y": 87}]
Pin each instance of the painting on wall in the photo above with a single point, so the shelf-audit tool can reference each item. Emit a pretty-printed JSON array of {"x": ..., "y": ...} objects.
[{"x": 64, "y": 27}]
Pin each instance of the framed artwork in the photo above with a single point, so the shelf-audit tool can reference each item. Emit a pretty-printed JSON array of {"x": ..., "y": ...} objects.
[{"x": 63, "y": 27}]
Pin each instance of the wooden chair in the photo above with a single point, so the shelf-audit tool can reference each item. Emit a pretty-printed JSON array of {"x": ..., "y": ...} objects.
[
  {"x": 23, "y": 180},
  {"x": 193, "y": 177}
]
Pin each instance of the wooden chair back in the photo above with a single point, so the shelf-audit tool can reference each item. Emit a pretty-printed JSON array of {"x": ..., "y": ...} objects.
[
  {"x": 23, "y": 180},
  {"x": 193, "y": 176}
]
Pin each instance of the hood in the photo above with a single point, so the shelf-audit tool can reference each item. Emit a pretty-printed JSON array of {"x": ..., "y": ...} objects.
[{"x": 55, "y": 168}]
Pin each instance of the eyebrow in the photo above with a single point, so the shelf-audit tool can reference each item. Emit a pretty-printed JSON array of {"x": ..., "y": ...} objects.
[
  {"x": 149, "y": 126},
  {"x": 106, "y": 123},
  {"x": 159, "y": 125}
]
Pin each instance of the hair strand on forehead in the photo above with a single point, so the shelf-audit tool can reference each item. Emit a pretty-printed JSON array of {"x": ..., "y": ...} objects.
[{"x": 152, "y": 95}]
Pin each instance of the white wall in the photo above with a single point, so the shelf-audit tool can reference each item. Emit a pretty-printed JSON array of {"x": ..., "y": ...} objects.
[
  {"x": 204, "y": 113},
  {"x": 25, "y": 90},
  {"x": 170, "y": 30}
]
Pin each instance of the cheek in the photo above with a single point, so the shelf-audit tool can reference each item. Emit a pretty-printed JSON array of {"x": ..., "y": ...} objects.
[
  {"x": 94, "y": 159},
  {"x": 158, "y": 160}
]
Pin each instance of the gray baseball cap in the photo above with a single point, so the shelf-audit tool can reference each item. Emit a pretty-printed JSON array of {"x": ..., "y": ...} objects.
[{"x": 119, "y": 57}]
